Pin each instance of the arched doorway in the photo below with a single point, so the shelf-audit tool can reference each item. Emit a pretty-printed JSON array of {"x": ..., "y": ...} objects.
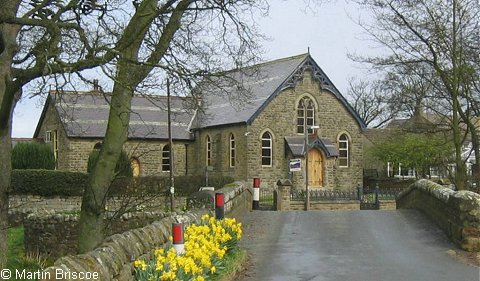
[
  {"x": 135, "y": 163},
  {"x": 315, "y": 168}
]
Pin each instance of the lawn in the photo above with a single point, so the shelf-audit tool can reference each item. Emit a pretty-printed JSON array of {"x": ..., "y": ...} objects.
[{"x": 17, "y": 259}]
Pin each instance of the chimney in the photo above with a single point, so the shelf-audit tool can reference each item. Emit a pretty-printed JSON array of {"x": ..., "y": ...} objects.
[{"x": 96, "y": 87}]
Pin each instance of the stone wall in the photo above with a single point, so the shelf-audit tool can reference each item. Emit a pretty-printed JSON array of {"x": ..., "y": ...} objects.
[
  {"x": 238, "y": 199},
  {"x": 346, "y": 205},
  {"x": 113, "y": 259},
  {"x": 34, "y": 204},
  {"x": 56, "y": 235},
  {"x": 20, "y": 206},
  {"x": 457, "y": 213}
]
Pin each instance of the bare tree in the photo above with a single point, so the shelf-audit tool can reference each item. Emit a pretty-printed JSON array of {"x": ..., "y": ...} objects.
[
  {"x": 40, "y": 39},
  {"x": 184, "y": 40},
  {"x": 48, "y": 39},
  {"x": 442, "y": 35},
  {"x": 371, "y": 102}
]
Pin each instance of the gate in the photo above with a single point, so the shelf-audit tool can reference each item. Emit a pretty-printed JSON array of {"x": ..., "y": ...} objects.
[
  {"x": 369, "y": 199},
  {"x": 267, "y": 198}
]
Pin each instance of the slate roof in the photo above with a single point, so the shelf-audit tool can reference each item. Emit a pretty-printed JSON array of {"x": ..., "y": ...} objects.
[
  {"x": 262, "y": 83},
  {"x": 296, "y": 145},
  {"x": 85, "y": 115}
]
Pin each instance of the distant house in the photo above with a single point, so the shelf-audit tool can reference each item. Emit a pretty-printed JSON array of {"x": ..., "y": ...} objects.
[
  {"x": 419, "y": 123},
  {"x": 249, "y": 137}
]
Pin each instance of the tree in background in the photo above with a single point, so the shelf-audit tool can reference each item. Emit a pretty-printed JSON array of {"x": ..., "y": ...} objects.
[
  {"x": 371, "y": 102},
  {"x": 32, "y": 155},
  {"x": 418, "y": 151},
  {"x": 441, "y": 36}
]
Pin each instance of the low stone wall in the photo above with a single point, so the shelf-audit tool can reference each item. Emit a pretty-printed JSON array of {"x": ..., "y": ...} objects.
[
  {"x": 113, "y": 259},
  {"x": 456, "y": 212},
  {"x": 388, "y": 205},
  {"x": 326, "y": 205},
  {"x": 238, "y": 199},
  {"x": 22, "y": 205},
  {"x": 56, "y": 235}
]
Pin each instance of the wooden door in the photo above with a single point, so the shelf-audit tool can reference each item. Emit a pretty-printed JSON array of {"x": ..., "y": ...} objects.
[{"x": 315, "y": 168}]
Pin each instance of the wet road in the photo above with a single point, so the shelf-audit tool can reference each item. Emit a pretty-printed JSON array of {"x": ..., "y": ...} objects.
[{"x": 399, "y": 245}]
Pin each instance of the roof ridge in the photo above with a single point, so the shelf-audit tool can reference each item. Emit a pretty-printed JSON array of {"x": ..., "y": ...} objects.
[
  {"x": 261, "y": 64},
  {"x": 98, "y": 93},
  {"x": 304, "y": 55}
]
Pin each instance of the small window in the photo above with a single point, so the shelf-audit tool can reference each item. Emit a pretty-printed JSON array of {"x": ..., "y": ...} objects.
[
  {"x": 343, "y": 151},
  {"x": 48, "y": 136},
  {"x": 208, "y": 150},
  {"x": 166, "y": 158},
  {"x": 98, "y": 146},
  {"x": 232, "y": 150},
  {"x": 266, "y": 149}
]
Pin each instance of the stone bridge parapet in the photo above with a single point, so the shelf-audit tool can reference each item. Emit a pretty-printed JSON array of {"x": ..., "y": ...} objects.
[
  {"x": 113, "y": 259},
  {"x": 457, "y": 213}
]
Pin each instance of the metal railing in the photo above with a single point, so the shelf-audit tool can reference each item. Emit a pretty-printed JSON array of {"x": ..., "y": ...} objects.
[
  {"x": 324, "y": 195},
  {"x": 359, "y": 193}
]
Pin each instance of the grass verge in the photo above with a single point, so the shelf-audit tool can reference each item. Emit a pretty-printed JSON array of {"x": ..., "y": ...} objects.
[
  {"x": 17, "y": 260},
  {"x": 234, "y": 263}
]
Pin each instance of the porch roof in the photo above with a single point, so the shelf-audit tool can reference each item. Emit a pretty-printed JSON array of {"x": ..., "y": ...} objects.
[{"x": 296, "y": 145}]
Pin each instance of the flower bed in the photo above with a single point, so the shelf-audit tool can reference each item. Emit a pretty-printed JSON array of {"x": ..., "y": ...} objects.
[{"x": 206, "y": 246}]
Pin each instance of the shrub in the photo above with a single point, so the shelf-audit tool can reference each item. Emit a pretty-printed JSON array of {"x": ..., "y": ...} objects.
[{"x": 32, "y": 155}]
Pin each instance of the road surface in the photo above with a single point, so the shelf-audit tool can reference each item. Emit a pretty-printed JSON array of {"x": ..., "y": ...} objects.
[{"x": 397, "y": 245}]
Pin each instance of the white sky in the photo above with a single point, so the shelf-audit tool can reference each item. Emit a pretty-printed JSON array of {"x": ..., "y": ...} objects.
[{"x": 327, "y": 30}]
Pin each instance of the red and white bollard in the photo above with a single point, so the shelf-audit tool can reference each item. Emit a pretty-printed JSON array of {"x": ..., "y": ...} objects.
[
  {"x": 256, "y": 193},
  {"x": 178, "y": 240},
  {"x": 219, "y": 206}
]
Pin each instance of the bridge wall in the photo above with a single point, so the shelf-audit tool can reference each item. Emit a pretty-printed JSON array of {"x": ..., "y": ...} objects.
[
  {"x": 113, "y": 259},
  {"x": 457, "y": 213}
]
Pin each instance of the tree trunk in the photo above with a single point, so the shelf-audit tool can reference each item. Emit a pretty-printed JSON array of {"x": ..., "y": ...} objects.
[
  {"x": 92, "y": 223},
  {"x": 8, "y": 89},
  {"x": 5, "y": 179},
  {"x": 460, "y": 176}
]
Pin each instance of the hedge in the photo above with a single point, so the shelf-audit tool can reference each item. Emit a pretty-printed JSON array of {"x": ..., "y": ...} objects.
[
  {"x": 64, "y": 183},
  {"x": 48, "y": 183}
]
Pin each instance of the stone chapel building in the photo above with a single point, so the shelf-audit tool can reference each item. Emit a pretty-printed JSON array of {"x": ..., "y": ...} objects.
[{"x": 254, "y": 136}]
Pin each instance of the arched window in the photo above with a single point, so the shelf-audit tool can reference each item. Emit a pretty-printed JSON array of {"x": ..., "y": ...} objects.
[
  {"x": 208, "y": 151},
  {"x": 343, "y": 150},
  {"x": 166, "y": 158},
  {"x": 98, "y": 146},
  {"x": 305, "y": 115},
  {"x": 232, "y": 150},
  {"x": 135, "y": 164},
  {"x": 267, "y": 149}
]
